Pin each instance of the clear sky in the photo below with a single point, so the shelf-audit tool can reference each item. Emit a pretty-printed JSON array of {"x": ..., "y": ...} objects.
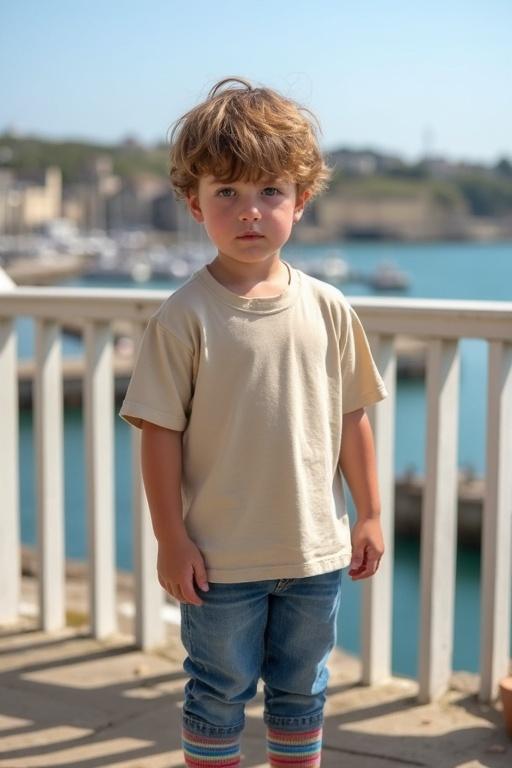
[{"x": 401, "y": 76}]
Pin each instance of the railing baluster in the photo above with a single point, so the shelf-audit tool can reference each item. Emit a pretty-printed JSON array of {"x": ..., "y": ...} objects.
[
  {"x": 377, "y": 595},
  {"x": 439, "y": 520},
  {"x": 10, "y": 569},
  {"x": 48, "y": 431},
  {"x": 496, "y": 524},
  {"x": 99, "y": 441},
  {"x": 149, "y": 595}
]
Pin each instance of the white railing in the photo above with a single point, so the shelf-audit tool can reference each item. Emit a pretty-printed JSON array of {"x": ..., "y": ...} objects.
[{"x": 440, "y": 323}]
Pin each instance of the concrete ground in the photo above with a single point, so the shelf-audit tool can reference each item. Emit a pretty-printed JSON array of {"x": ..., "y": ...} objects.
[{"x": 68, "y": 701}]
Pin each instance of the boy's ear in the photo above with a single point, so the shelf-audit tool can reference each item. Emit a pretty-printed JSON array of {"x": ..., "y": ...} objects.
[
  {"x": 193, "y": 206},
  {"x": 302, "y": 198}
]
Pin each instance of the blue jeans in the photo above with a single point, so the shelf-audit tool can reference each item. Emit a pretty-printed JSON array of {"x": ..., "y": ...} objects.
[{"x": 281, "y": 630}]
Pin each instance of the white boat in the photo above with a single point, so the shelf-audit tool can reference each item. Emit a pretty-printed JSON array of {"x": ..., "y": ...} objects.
[
  {"x": 387, "y": 276},
  {"x": 141, "y": 272},
  {"x": 333, "y": 268}
]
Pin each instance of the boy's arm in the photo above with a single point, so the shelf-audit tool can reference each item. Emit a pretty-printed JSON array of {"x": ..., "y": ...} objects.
[
  {"x": 179, "y": 559},
  {"x": 357, "y": 462}
]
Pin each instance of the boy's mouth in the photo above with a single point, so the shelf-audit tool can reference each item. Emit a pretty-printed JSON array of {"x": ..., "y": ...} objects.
[{"x": 249, "y": 236}]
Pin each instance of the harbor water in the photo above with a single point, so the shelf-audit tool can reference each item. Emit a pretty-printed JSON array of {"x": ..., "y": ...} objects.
[{"x": 436, "y": 270}]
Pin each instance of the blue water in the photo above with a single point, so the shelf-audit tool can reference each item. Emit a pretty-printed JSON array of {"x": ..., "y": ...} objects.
[{"x": 462, "y": 271}]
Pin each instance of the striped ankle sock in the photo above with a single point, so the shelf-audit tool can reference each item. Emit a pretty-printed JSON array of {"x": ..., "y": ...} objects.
[
  {"x": 210, "y": 751},
  {"x": 294, "y": 749}
]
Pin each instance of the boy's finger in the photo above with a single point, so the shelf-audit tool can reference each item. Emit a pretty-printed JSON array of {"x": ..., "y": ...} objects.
[
  {"x": 201, "y": 576},
  {"x": 368, "y": 568},
  {"x": 189, "y": 593},
  {"x": 373, "y": 562},
  {"x": 356, "y": 562},
  {"x": 176, "y": 591},
  {"x": 168, "y": 586},
  {"x": 362, "y": 573},
  {"x": 358, "y": 559}
]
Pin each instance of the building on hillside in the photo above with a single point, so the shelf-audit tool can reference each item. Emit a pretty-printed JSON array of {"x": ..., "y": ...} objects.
[
  {"x": 25, "y": 204},
  {"x": 361, "y": 162},
  {"x": 133, "y": 205}
]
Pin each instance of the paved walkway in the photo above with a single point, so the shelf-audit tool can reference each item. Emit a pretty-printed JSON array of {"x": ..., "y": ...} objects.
[{"x": 67, "y": 701}]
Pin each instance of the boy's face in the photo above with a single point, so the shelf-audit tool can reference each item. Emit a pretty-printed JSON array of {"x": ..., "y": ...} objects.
[{"x": 247, "y": 221}]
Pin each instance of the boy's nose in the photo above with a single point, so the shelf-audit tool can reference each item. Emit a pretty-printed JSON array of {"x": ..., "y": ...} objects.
[{"x": 249, "y": 213}]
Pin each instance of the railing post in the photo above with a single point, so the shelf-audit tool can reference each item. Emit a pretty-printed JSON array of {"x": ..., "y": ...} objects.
[
  {"x": 10, "y": 566},
  {"x": 99, "y": 440},
  {"x": 496, "y": 524},
  {"x": 377, "y": 595},
  {"x": 49, "y": 474},
  {"x": 439, "y": 520},
  {"x": 149, "y": 595}
]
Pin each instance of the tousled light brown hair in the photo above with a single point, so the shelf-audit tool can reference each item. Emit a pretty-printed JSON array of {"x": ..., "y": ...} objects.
[{"x": 245, "y": 133}]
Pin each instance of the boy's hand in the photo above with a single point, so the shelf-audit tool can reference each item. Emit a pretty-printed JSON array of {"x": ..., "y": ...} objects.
[
  {"x": 367, "y": 548},
  {"x": 178, "y": 562}
]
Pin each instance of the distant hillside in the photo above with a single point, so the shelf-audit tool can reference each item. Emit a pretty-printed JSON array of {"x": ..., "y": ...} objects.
[
  {"x": 29, "y": 155},
  {"x": 486, "y": 190}
]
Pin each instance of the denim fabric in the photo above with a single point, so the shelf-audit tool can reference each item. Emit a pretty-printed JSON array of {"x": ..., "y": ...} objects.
[{"x": 281, "y": 630}]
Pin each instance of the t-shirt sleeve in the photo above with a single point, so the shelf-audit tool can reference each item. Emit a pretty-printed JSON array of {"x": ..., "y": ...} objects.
[
  {"x": 160, "y": 388},
  {"x": 362, "y": 384}
]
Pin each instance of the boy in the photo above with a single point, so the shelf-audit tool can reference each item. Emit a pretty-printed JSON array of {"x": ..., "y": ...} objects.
[{"x": 249, "y": 387}]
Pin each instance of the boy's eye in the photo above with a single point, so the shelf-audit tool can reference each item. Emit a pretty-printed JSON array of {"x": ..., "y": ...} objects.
[{"x": 231, "y": 192}]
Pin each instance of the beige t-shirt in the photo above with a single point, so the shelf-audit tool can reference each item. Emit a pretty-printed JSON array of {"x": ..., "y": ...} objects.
[{"x": 259, "y": 387}]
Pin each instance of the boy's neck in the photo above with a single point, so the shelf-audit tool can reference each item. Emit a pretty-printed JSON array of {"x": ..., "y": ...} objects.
[{"x": 268, "y": 277}]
